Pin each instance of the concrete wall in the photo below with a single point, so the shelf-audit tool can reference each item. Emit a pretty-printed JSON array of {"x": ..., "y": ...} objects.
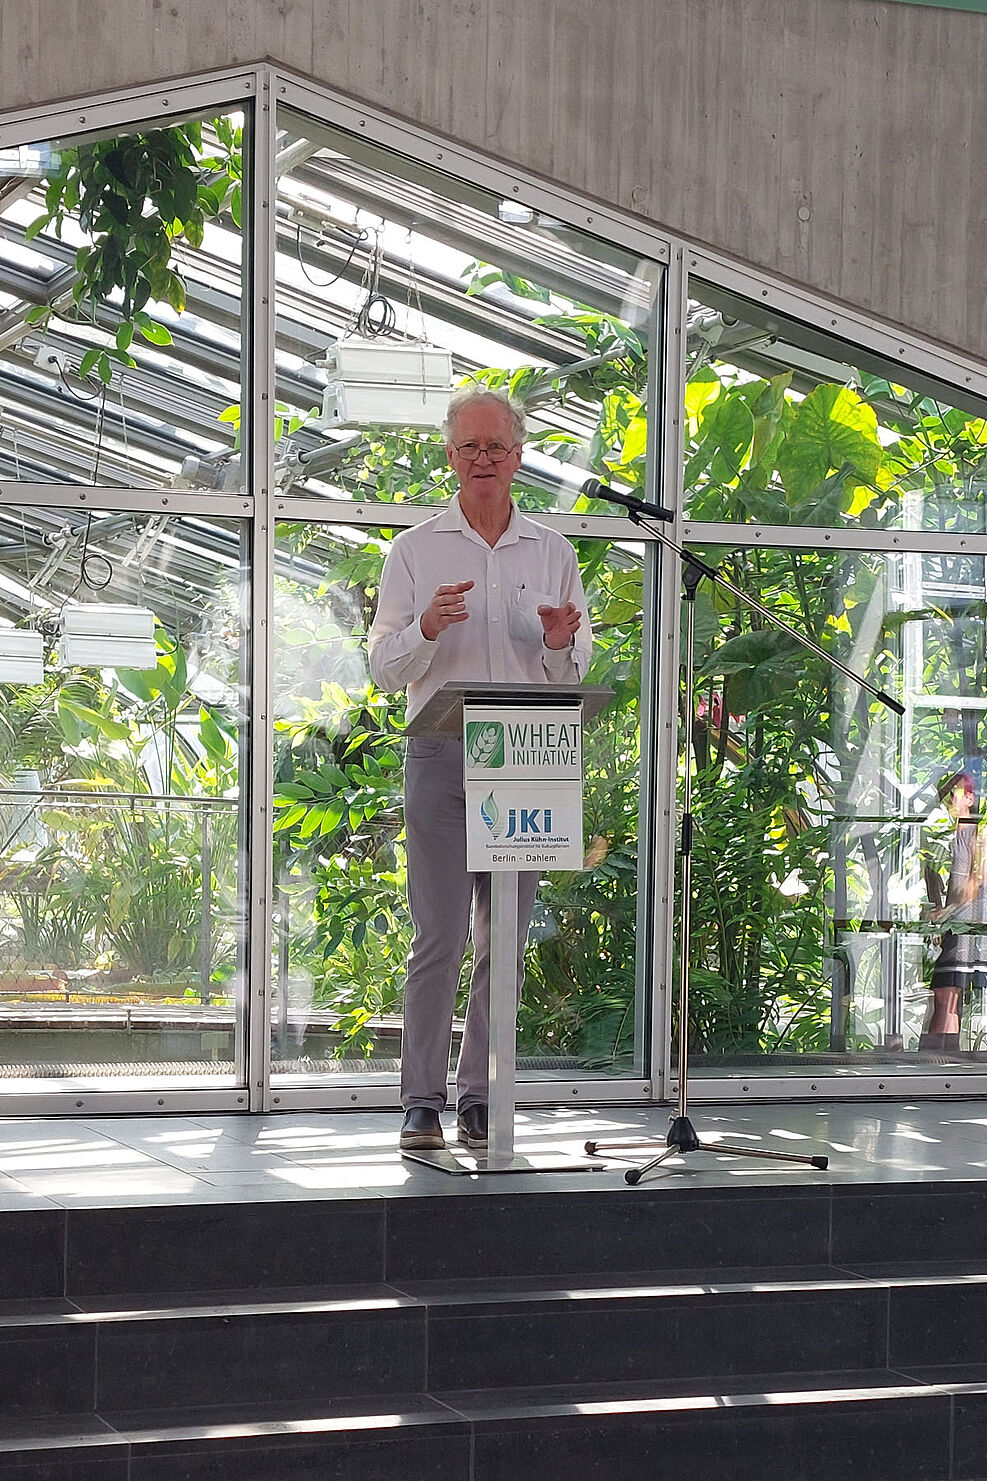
[{"x": 838, "y": 142}]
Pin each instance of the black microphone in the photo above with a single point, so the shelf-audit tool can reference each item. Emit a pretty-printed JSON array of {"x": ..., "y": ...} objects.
[{"x": 594, "y": 489}]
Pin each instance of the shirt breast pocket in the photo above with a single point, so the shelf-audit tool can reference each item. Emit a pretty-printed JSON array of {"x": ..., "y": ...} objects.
[{"x": 525, "y": 624}]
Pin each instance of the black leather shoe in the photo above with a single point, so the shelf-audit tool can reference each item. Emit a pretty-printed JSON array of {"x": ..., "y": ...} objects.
[
  {"x": 471, "y": 1127},
  {"x": 422, "y": 1130}
]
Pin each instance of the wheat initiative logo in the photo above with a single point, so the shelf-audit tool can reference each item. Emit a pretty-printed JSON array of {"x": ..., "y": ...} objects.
[{"x": 484, "y": 743}]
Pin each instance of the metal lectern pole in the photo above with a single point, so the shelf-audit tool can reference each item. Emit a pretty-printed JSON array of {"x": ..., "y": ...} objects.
[{"x": 503, "y": 1016}]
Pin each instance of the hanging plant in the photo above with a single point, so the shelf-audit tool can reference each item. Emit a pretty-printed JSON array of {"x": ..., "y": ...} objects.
[{"x": 136, "y": 196}]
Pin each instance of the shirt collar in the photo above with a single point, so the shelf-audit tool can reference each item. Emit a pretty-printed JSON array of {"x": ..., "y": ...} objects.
[{"x": 520, "y": 527}]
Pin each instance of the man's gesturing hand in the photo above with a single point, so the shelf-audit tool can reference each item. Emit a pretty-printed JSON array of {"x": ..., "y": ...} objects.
[
  {"x": 445, "y": 608},
  {"x": 560, "y": 624}
]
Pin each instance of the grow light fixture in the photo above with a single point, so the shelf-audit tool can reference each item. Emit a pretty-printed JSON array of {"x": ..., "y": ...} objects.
[
  {"x": 104, "y": 635},
  {"x": 22, "y": 656},
  {"x": 385, "y": 385}
]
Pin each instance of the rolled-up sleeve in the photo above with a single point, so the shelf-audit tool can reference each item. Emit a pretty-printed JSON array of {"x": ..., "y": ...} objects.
[{"x": 399, "y": 652}]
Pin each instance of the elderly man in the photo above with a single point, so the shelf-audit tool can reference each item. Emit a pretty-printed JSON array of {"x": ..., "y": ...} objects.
[{"x": 479, "y": 592}]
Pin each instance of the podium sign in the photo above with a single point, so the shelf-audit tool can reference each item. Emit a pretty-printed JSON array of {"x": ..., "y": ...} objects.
[{"x": 523, "y": 775}]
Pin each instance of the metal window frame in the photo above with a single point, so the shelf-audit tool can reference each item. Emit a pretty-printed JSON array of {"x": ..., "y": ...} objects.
[{"x": 270, "y": 84}]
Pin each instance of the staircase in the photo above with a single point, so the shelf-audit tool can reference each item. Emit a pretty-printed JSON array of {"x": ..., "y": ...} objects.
[{"x": 803, "y": 1332}]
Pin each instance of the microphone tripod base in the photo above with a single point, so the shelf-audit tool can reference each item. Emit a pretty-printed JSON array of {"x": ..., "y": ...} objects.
[{"x": 683, "y": 1138}]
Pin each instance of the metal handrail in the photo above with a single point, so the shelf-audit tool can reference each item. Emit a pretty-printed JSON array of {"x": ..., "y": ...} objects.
[{"x": 67, "y": 793}]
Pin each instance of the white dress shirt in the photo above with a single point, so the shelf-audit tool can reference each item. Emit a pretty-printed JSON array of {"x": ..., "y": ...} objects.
[{"x": 502, "y": 640}]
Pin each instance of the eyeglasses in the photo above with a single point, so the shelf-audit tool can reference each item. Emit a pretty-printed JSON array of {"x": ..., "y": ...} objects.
[{"x": 495, "y": 451}]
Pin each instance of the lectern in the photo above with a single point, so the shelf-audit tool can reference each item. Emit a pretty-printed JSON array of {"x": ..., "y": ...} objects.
[{"x": 523, "y": 777}]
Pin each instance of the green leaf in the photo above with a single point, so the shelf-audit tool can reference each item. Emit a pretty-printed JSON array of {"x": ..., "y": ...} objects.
[
  {"x": 726, "y": 436},
  {"x": 37, "y": 313},
  {"x": 313, "y": 818},
  {"x": 331, "y": 817},
  {"x": 213, "y": 739},
  {"x": 112, "y": 729},
  {"x": 125, "y": 335},
  {"x": 731, "y": 426},
  {"x": 635, "y": 440},
  {"x": 88, "y": 362},
  {"x": 156, "y": 333},
  {"x": 703, "y": 389},
  {"x": 289, "y": 816},
  {"x": 825, "y": 505},
  {"x": 831, "y": 428},
  {"x": 176, "y": 293},
  {"x": 38, "y": 224},
  {"x": 139, "y": 683},
  {"x": 749, "y": 651}
]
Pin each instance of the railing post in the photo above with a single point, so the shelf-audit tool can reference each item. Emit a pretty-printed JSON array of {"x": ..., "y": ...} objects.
[{"x": 205, "y": 924}]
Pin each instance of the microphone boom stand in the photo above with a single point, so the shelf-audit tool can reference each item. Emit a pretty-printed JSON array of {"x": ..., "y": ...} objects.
[{"x": 682, "y": 1137}]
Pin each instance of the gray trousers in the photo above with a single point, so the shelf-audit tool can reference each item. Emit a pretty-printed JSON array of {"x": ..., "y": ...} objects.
[{"x": 441, "y": 893}]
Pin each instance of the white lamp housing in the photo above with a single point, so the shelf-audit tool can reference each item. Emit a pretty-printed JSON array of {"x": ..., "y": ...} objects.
[
  {"x": 104, "y": 635},
  {"x": 385, "y": 385},
  {"x": 22, "y": 656}
]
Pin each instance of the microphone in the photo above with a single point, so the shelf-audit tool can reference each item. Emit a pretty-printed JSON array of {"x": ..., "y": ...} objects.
[{"x": 594, "y": 489}]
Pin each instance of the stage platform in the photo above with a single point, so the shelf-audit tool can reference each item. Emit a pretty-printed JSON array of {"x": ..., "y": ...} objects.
[
  {"x": 114, "y": 1160},
  {"x": 249, "y": 1299}
]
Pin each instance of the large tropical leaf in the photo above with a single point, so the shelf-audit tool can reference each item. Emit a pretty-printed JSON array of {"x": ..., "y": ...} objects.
[{"x": 831, "y": 429}]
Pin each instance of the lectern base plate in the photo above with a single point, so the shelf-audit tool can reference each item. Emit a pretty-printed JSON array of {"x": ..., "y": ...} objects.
[{"x": 469, "y": 1164}]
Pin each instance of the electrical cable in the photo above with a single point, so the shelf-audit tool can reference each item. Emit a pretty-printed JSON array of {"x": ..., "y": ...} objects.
[
  {"x": 93, "y": 396},
  {"x": 100, "y": 422},
  {"x": 358, "y": 241},
  {"x": 85, "y": 579},
  {"x": 375, "y": 318}
]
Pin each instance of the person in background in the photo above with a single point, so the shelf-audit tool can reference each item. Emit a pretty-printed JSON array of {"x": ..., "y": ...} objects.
[{"x": 963, "y": 953}]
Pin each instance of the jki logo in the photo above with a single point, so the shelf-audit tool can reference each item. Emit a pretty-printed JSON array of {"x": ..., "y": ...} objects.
[
  {"x": 484, "y": 743},
  {"x": 528, "y": 822},
  {"x": 522, "y": 822}
]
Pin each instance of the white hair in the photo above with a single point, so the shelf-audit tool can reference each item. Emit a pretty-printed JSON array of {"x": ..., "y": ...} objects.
[{"x": 468, "y": 396}]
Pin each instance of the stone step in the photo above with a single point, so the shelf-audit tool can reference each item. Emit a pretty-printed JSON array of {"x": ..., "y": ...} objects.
[
  {"x": 870, "y": 1426},
  {"x": 156, "y": 1250},
  {"x": 57, "y": 1357}
]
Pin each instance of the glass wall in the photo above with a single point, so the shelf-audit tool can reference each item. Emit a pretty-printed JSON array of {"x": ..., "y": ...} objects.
[
  {"x": 140, "y": 702},
  {"x": 829, "y": 908},
  {"x": 342, "y": 929},
  {"x": 787, "y": 425},
  {"x": 122, "y": 912},
  {"x": 125, "y": 657},
  {"x": 121, "y": 262},
  {"x": 396, "y": 283}
]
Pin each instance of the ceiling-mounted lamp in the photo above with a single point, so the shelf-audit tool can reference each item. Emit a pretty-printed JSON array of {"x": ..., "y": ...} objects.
[
  {"x": 375, "y": 384},
  {"x": 22, "y": 656},
  {"x": 107, "y": 635}
]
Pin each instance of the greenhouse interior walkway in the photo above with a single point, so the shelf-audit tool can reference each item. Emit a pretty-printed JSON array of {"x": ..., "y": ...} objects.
[{"x": 250, "y": 1298}]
